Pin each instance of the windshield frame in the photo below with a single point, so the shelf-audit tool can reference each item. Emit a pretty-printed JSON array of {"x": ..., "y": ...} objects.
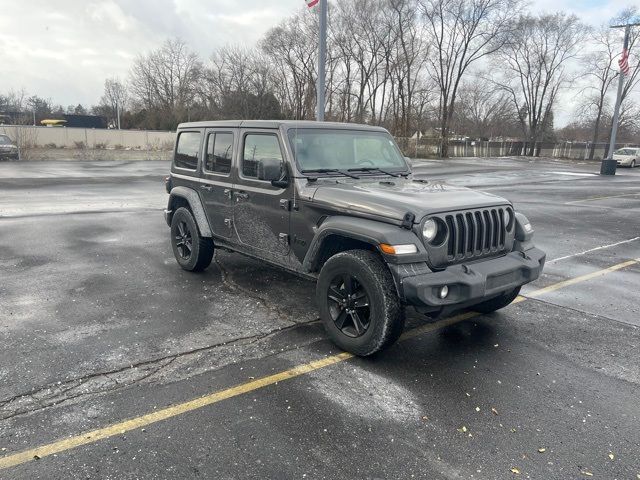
[{"x": 404, "y": 170}]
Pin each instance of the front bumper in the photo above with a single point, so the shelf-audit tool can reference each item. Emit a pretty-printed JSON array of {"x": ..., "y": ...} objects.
[
  {"x": 9, "y": 155},
  {"x": 624, "y": 162},
  {"x": 473, "y": 283}
]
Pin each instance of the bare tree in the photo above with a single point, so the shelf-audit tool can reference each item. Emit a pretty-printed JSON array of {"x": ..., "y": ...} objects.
[
  {"x": 13, "y": 104},
  {"x": 165, "y": 82},
  {"x": 535, "y": 61},
  {"x": 114, "y": 100},
  {"x": 239, "y": 84},
  {"x": 463, "y": 32},
  {"x": 600, "y": 72},
  {"x": 410, "y": 53},
  {"x": 485, "y": 110},
  {"x": 292, "y": 49}
]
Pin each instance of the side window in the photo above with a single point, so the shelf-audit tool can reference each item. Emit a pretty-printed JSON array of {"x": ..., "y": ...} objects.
[
  {"x": 187, "y": 150},
  {"x": 260, "y": 149},
  {"x": 219, "y": 152}
]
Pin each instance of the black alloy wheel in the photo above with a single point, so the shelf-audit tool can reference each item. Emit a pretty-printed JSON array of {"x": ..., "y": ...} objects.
[
  {"x": 358, "y": 302},
  {"x": 184, "y": 240},
  {"x": 349, "y": 305},
  {"x": 192, "y": 251}
]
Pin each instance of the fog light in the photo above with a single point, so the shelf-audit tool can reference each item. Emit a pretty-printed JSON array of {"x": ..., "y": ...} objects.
[{"x": 443, "y": 292}]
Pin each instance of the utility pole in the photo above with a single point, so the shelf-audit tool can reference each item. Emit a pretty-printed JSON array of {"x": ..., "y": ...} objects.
[
  {"x": 608, "y": 166},
  {"x": 118, "y": 113},
  {"x": 322, "y": 58}
]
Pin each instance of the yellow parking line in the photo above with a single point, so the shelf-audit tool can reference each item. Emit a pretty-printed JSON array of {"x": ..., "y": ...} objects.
[
  {"x": 215, "y": 397},
  {"x": 581, "y": 278},
  {"x": 165, "y": 413}
]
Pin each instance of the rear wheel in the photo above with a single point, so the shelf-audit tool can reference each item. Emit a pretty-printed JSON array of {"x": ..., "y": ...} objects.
[
  {"x": 193, "y": 252},
  {"x": 498, "y": 302},
  {"x": 358, "y": 302}
]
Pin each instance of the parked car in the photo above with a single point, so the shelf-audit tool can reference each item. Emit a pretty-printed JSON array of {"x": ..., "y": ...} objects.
[
  {"x": 629, "y": 157},
  {"x": 8, "y": 149},
  {"x": 338, "y": 204}
]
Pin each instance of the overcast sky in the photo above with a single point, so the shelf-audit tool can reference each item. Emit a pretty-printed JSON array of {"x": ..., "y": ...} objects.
[{"x": 64, "y": 49}]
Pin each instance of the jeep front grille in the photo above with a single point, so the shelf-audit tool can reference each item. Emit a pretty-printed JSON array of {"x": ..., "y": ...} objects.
[{"x": 475, "y": 233}]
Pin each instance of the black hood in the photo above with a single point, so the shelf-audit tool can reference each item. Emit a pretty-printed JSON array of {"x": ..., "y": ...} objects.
[{"x": 395, "y": 197}]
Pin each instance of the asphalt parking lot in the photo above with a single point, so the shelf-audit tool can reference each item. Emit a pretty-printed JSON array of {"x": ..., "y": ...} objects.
[{"x": 115, "y": 363}]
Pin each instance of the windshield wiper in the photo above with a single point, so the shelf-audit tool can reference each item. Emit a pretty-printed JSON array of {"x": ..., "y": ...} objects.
[
  {"x": 375, "y": 169},
  {"x": 331, "y": 170}
]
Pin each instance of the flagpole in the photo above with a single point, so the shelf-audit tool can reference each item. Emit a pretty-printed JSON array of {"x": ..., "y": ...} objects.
[
  {"x": 608, "y": 166},
  {"x": 322, "y": 58}
]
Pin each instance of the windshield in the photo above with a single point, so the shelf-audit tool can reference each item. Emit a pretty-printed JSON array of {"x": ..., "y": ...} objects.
[
  {"x": 316, "y": 148},
  {"x": 4, "y": 140},
  {"x": 625, "y": 151}
]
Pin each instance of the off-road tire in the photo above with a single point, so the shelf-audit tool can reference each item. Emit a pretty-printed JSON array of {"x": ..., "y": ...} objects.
[
  {"x": 201, "y": 248},
  {"x": 386, "y": 312},
  {"x": 498, "y": 302}
]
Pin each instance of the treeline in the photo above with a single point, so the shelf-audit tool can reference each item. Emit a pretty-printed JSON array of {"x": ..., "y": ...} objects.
[{"x": 445, "y": 68}]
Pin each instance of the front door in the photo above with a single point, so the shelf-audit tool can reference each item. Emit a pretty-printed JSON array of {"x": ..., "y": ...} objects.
[
  {"x": 217, "y": 181},
  {"x": 261, "y": 211}
]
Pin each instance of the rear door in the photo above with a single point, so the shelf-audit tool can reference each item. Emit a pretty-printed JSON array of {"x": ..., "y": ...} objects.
[
  {"x": 261, "y": 211},
  {"x": 217, "y": 179}
]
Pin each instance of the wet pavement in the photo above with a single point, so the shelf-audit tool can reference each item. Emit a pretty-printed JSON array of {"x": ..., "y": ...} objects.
[{"x": 99, "y": 325}]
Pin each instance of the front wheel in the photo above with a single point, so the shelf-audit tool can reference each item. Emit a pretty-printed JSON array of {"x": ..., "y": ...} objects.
[
  {"x": 633, "y": 164},
  {"x": 359, "y": 305},
  {"x": 193, "y": 252},
  {"x": 498, "y": 302}
]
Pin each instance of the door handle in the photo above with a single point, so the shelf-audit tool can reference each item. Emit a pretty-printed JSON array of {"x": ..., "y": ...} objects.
[
  {"x": 208, "y": 188},
  {"x": 242, "y": 195}
]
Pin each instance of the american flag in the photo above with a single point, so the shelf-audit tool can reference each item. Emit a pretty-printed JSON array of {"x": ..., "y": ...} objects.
[
  {"x": 312, "y": 3},
  {"x": 624, "y": 62}
]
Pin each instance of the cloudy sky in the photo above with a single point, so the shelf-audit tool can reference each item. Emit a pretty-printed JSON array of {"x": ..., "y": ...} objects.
[{"x": 64, "y": 49}]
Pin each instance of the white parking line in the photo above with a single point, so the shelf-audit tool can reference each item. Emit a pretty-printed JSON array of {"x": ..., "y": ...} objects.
[
  {"x": 602, "y": 247},
  {"x": 575, "y": 174},
  {"x": 591, "y": 199}
]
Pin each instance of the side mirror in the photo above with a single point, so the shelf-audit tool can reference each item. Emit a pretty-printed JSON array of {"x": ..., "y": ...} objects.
[
  {"x": 280, "y": 183},
  {"x": 273, "y": 170}
]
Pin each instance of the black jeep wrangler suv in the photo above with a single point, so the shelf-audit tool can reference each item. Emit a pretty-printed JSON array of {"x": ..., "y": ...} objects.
[{"x": 337, "y": 203}]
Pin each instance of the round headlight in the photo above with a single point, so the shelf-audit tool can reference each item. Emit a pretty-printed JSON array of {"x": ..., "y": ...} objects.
[{"x": 429, "y": 230}]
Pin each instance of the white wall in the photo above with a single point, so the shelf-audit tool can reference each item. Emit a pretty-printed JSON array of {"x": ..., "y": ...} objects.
[{"x": 68, "y": 137}]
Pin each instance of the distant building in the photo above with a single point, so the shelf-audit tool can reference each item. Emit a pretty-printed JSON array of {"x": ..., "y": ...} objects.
[{"x": 85, "y": 121}]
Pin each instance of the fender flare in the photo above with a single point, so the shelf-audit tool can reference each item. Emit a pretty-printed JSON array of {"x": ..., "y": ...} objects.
[
  {"x": 369, "y": 231},
  {"x": 192, "y": 198}
]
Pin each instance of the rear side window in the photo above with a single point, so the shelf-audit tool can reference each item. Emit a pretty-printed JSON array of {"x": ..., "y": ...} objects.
[
  {"x": 219, "y": 152},
  {"x": 187, "y": 150},
  {"x": 259, "y": 147}
]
